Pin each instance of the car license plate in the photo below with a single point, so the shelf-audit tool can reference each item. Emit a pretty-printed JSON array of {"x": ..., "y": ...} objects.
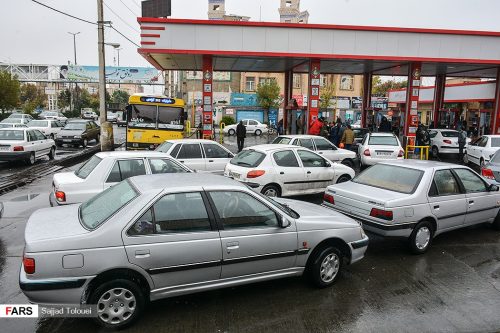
[
  {"x": 384, "y": 153},
  {"x": 234, "y": 175},
  {"x": 4, "y": 148},
  {"x": 66, "y": 140}
]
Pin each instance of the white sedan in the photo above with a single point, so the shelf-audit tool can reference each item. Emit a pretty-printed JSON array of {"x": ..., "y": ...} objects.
[
  {"x": 106, "y": 169},
  {"x": 252, "y": 127},
  {"x": 444, "y": 141},
  {"x": 197, "y": 154},
  {"x": 481, "y": 151},
  {"x": 23, "y": 118},
  {"x": 284, "y": 170},
  {"x": 54, "y": 115},
  {"x": 378, "y": 147},
  {"x": 25, "y": 144},
  {"x": 321, "y": 146},
  {"x": 48, "y": 127}
]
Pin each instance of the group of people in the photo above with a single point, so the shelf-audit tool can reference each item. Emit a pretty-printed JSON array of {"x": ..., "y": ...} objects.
[{"x": 340, "y": 134}]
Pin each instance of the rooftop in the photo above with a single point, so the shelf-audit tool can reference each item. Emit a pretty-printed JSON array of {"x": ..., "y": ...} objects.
[{"x": 193, "y": 181}]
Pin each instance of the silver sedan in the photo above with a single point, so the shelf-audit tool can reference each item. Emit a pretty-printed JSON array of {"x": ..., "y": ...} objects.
[{"x": 156, "y": 236}]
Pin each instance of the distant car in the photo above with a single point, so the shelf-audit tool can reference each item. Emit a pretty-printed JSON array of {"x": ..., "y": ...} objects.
[
  {"x": 17, "y": 121},
  {"x": 54, "y": 115},
  {"x": 285, "y": 170},
  {"x": 321, "y": 146},
  {"x": 252, "y": 126},
  {"x": 359, "y": 134},
  {"x": 18, "y": 144},
  {"x": 50, "y": 128},
  {"x": 481, "y": 151},
  {"x": 356, "y": 125},
  {"x": 79, "y": 132},
  {"x": 106, "y": 169},
  {"x": 157, "y": 236},
  {"x": 444, "y": 141},
  {"x": 89, "y": 115},
  {"x": 199, "y": 155},
  {"x": 23, "y": 117},
  {"x": 111, "y": 117},
  {"x": 12, "y": 125},
  {"x": 379, "y": 147},
  {"x": 417, "y": 200}
]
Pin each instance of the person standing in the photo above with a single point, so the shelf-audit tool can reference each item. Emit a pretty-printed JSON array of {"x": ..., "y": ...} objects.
[
  {"x": 316, "y": 127},
  {"x": 348, "y": 137},
  {"x": 241, "y": 134},
  {"x": 385, "y": 126},
  {"x": 299, "y": 123},
  {"x": 462, "y": 139},
  {"x": 199, "y": 131},
  {"x": 335, "y": 133}
]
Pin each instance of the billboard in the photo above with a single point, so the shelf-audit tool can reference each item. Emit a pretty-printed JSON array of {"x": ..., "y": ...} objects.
[
  {"x": 113, "y": 74},
  {"x": 218, "y": 76}
]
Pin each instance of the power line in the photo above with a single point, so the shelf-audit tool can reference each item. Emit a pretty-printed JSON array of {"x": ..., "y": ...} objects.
[
  {"x": 124, "y": 36},
  {"x": 130, "y": 10},
  {"x": 61, "y": 12},
  {"x": 119, "y": 17}
]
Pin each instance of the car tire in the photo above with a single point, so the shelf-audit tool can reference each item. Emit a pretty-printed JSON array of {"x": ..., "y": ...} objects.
[
  {"x": 52, "y": 153},
  {"x": 435, "y": 152},
  {"x": 343, "y": 179},
  {"x": 231, "y": 132},
  {"x": 271, "y": 191},
  {"x": 31, "y": 160},
  {"x": 258, "y": 132},
  {"x": 128, "y": 304},
  {"x": 325, "y": 267},
  {"x": 348, "y": 162},
  {"x": 421, "y": 237},
  {"x": 85, "y": 143},
  {"x": 98, "y": 138}
]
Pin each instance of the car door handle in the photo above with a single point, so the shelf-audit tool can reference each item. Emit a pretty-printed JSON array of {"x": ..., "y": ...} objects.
[
  {"x": 142, "y": 253},
  {"x": 436, "y": 207},
  {"x": 182, "y": 161},
  {"x": 210, "y": 161},
  {"x": 232, "y": 246},
  {"x": 471, "y": 202},
  {"x": 320, "y": 152},
  {"x": 308, "y": 172},
  {"x": 282, "y": 173},
  {"x": 156, "y": 136}
]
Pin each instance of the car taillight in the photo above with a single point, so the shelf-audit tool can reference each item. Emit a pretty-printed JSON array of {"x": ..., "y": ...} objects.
[
  {"x": 255, "y": 173},
  {"x": 329, "y": 198},
  {"x": 401, "y": 153},
  {"x": 29, "y": 265},
  {"x": 18, "y": 148},
  {"x": 487, "y": 173},
  {"x": 60, "y": 196},
  {"x": 367, "y": 152},
  {"x": 381, "y": 214},
  {"x": 447, "y": 141}
]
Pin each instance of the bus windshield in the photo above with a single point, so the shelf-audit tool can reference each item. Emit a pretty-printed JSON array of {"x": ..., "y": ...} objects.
[{"x": 146, "y": 116}]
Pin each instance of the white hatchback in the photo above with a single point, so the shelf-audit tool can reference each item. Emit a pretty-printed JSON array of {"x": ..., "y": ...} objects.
[
  {"x": 252, "y": 127},
  {"x": 284, "y": 170},
  {"x": 444, "y": 141},
  {"x": 106, "y": 169},
  {"x": 25, "y": 144},
  {"x": 48, "y": 127},
  {"x": 378, "y": 147},
  {"x": 481, "y": 151},
  {"x": 197, "y": 154}
]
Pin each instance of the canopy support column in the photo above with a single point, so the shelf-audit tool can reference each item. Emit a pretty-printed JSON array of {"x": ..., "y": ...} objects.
[
  {"x": 207, "y": 96},
  {"x": 438, "y": 97},
  {"x": 313, "y": 91},
  {"x": 412, "y": 95},
  {"x": 496, "y": 116},
  {"x": 367, "y": 96}
]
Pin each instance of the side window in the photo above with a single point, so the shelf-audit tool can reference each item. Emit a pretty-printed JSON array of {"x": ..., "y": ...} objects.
[
  {"x": 125, "y": 169},
  {"x": 189, "y": 151},
  {"x": 286, "y": 159},
  {"x": 252, "y": 122},
  {"x": 311, "y": 160},
  {"x": 144, "y": 225},
  {"x": 364, "y": 139},
  {"x": 241, "y": 210},
  {"x": 445, "y": 184},
  {"x": 472, "y": 182},
  {"x": 165, "y": 166},
  {"x": 88, "y": 126},
  {"x": 175, "y": 151},
  {"x": 31, "y": 136},
  {"x": 214, "y": 151},
  {"x": 39, "y": 135},
  {"x": 322, "y": 144},
  {"x": 306, "y": 143}
]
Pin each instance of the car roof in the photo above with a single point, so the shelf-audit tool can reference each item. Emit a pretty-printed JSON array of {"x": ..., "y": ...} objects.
[
  {"x": 130, "y": 154},
  {"x": 272, "y": 147},
  {"x": 191, "y": 141},
  {"x": 305, "y": 136},
  {"x": 443, "y": 129},
  {"x": 382, "y": 134},
  {"x": 492, "y": 135},
  {"x": 182, "y": 180},
  {"x": 420, "y": 164}
]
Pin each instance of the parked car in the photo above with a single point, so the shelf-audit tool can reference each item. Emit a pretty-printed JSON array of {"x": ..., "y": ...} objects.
[
  {"x": 161, "y": 236},
  {"x": 359, "y": 134},
  {"x": 10, "y": 121},
  {"x": 23, "y": 117},
  {"x": 79, "y": 132},
  {"x": 378, "y": 147},
  {"x": 444, "y": 141},
  {"x": 25, "y": 144},
  {"x": 481, "y": 151},
  {"x": 321, "y": 146},
  {"x": 197, "y": 154},
  {"x": 12, "y": 125},
  {"x": 284, "y": 170},
  {"x": 491, "y": 170},
  {"x": 252, "y": 126},
  {"x": 106, "y": 169},
  {"x": 91, "y": 115},
  {"x": 417, "y": 200},
  {"x": 54, "y": 115},
  {"x": 50, "y": 128}
]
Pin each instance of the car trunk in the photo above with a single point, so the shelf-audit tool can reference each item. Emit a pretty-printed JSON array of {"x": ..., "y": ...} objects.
[
  {"x": 237, "y": 172},
  {"x": 384, "y": 151},
  {"x": 62, "y": 178},
  {"x": 8, "y": 145}
]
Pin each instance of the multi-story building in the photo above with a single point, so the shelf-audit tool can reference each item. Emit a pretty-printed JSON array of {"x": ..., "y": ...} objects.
[
  {"x": 217, "y": 11},
  {"x": 290, "y": 12}
]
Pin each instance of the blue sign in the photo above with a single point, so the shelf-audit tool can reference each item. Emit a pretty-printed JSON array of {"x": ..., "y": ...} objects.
[
  {"x": 158, "y": 100},
  {"x": 240, "y": 99},
  {"x": 249, "y": 114},
  {"x": 273, "y": 117}
]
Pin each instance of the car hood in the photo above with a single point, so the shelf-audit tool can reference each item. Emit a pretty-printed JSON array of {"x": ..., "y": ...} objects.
[
  {"x": 70, "y": 132},
  {"x": 315, "y": 217}
]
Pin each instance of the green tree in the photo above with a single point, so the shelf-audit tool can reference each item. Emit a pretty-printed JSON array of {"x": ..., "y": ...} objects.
[
  {"x": 31, "y": 97},
  {"x": 327, "y": 93},
  {"x": 268, "y": 95},
  {"x": 120, "y": 96},
  {"x": 9, "y": 91},
  {"x": 64, "y": 99},
  {"x": 381, "y": 89}
]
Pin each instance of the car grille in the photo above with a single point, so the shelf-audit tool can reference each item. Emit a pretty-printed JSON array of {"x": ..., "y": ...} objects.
[{"x": 67, "y": 136}]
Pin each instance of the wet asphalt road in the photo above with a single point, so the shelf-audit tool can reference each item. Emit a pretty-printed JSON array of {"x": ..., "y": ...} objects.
[{"x": 455, "y": 287}]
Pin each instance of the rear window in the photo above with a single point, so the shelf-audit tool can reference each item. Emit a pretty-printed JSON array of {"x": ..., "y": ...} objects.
[
  {"x": 390, "y": 177},
  {"x": 88, "y": 167},
  {"x": 282, "y": 140},
  {"x": 248, "y": 158},
  {"x": 11, "y": 135},
  {"x": 496, "y": 157},
  {"x": 495, "y": 142},
  {"x": 383, "y": 140},
  {"x": 449, "y": 134},
  {"x": 164, "y": 147},
  {"x": 38, "y": 123}
]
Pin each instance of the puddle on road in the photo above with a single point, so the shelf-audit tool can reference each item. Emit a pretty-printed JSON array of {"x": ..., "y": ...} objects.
[{"x": 26, "y": 197}]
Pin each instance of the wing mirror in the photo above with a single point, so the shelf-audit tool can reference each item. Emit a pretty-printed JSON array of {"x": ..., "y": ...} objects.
[
  {"x": 493, "y": 188},
  {"x": 284, "y": 222},
  {"x": 230, "y": 155},
  {"x": 328, "y": 164}
]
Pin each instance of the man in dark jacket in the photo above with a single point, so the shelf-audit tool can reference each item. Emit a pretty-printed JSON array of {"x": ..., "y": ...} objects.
[
  {"x": 241, "y": 134},
  {"x": 385, "y": 126}
]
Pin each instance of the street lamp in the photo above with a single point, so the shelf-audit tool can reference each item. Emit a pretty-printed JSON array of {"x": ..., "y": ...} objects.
[{"x": 74, "y": 41}]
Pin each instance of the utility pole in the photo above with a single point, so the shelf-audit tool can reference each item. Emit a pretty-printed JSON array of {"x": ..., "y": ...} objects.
[
  {"x": 106, "y": 127},
  {"x": 74, "y": 42},
  {"x": 74, "y": 91}
]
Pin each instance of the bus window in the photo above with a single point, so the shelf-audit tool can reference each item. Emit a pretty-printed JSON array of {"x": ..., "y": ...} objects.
[
  {"x": 170, "y": 118},
  {"x": 143, "y": 116}
]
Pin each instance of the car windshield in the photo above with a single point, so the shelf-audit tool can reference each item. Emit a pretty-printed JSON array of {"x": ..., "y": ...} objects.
[
  {"x": 52, "y": 114},
  {"x": 379, "y": 140},
  {"x": 14, "y": 116},
  {"x": 248, "y": 158},
  {"x": 11, "y": 135},
  {"x": 450, "y": 134},
  {"x": 495, "y": 142},
  {"x": 88, "y": 167},
  {"x": 282, "y": 140},
  {"x": 75, "y": 127},
  {"x": 100, "y": 208},
  {"x": 390, "y": 177},
  {"x": 38, "y": 123},
  {"x": 164, "y": 147},
  {"x": 282, "y": 206},
  {"x": 12, "y": 121}
]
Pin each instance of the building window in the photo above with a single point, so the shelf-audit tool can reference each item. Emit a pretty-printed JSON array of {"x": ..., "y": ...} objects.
[
  {"x": 296, "y": 81},
  {"x": 216, "y": 7},
  {"x": 250, "y": 83},
  {"x": 288, "y": 3},
  {"x": 265, "y": 80},
  {"x": 346, "y": 82},
  {"x": 323, "y": 80}
]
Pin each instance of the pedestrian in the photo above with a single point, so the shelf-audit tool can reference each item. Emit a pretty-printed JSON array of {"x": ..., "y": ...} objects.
[
  {"x": 462, "y": 139},
  {"x": 348, "y": 137},
  {"x": 241, "y": 134},
  {"x": 475, "y": 136},
  {"x": 325, "y": 130},
  {"x": 199, "y": 131},
  {"x": 300, "y": 125},
  {"x": 316, "y": 127},
  {"x": 280, "y": 127},
  {"x": 385, "y": 126},
  {"x": 335, "y": 133}
]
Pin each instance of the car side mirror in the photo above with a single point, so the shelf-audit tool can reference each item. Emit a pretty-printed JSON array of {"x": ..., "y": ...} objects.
[
  {"x": 493, "y": 188},
  {"x": 230, "y": 155},
  {"x": 328, "y": 164},
  {"x": 284, "y": 222}
]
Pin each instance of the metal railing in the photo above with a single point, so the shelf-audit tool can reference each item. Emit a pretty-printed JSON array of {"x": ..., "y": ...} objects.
[
  {"x": 421, "y": 150},
  {"x": 221, "y": 132},
  {"x": 187, "y": 128}
]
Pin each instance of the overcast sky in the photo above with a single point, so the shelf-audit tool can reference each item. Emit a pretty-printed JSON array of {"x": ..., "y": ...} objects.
[{"x": 31, "y": 33}]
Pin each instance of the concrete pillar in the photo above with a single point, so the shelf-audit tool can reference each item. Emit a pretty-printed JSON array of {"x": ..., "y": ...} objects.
[
  {"x": 367, "y": 97},
  {"x": 313, "y": 92},
  {"x": 412, "y": 94},
  {"x": 439, "y": 89},
  {"x": 207, "y": 96},
  {"x": 287, "y": 96},
  {"x": 496, "y": 115}
]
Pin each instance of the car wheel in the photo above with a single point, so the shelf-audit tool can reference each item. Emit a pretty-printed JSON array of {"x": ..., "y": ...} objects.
[
  {"x": 258, "y": 132},
  {"x": 119, "y": 303},
  {"x": 421, "y": 237},
  {"x": 98, "y": 138},
  {"x": 231, "y": 132},
  {"x": 271, "y": 191},
  {"x": 325, "y": 267},
  {"x": 343, "y": 179},
  {"x": 52, "y": 153},
  {"x": 435, "y": 152},
  {"x": 31, "y": 160},
  {"x": 466, "y": 159},
  {"x": 85, "y": 143},
  {"x": 348, "y": 162}
]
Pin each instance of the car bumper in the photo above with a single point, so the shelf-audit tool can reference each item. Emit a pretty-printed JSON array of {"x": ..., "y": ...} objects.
[
  {"x": 14, "y": 155},
  {"x": 69, "y": 141},
  {"x": 448, "y": 150},
  {"x": 358, "y": 249},
  {"x": 375, "y": 160}
]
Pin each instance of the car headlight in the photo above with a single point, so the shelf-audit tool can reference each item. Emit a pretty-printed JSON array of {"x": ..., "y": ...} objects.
[{"x": 77, "y": 136}]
